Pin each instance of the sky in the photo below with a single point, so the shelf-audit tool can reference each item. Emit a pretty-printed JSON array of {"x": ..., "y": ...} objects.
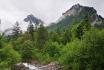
[{"x": 47, "y": 10}]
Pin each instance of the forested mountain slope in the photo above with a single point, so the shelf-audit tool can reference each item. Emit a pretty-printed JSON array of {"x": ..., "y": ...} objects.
[{"x": 78, "y": 13}]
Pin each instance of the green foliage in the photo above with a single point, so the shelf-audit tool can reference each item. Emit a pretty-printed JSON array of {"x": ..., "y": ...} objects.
[
  {"x": 53, "y": 49},
  {"x": 64, "y": 23},
  {"x": 85, "y": 54},
  {"x": 54, "y": 36},
  {"x": 27, "y": 51},
  {"x": 8, "y": 57},
  {"x": 16, "y": 30},
  {"x": 0, "y": 41},
  {"x": 93, "y": 42},
  {"x": 70, "y": 53},
  {"x": 41, "y": 37},
  {"x": 30, "y": 31},
  {"x": 66, "y": 37},
  {"x": 43, "y": 57},
  {"x": 76, "y": 47},
  {"x": 79, "y": 29}
]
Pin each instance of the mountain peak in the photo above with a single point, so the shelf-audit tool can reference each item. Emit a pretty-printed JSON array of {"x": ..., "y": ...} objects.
[
  {"x": 32, "y": 19},
  {"x": 73, "y": 10},
  {"x": 79, "y": 13},
  {"x": 77, "y": 9},
  {"x": 76, "y": 5}
]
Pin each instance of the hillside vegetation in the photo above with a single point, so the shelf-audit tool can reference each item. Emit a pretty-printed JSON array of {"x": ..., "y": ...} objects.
[{"x": 76, "y": 47}]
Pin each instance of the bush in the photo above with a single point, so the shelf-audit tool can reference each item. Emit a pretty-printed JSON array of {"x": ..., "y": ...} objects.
[
  {"x": 53, "y": 49},
  {"x": 8, "y": 57},
  {"x": 69, "y": 54},
  {"x": 27, "y": 51}
]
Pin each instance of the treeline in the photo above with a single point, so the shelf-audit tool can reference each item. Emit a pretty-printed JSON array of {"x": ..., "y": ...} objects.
[{"x": 80, "y": 47}]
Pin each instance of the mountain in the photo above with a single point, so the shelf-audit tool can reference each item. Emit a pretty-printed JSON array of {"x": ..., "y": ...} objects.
[
  {"x": 32, "y": 19},
  {"x": 78, "y": 13}
]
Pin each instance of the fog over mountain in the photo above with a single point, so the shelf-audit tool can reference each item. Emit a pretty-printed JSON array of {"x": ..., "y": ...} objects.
[{"x": 47, "y": 10}]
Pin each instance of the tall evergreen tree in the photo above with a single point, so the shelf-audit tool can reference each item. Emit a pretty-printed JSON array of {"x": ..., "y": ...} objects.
[
  {"x": 32, "y": 20},
  {"x": 30, "y": 31},
  {"x": 16, "y": 29},
  {"x": 41, "y": 37}
]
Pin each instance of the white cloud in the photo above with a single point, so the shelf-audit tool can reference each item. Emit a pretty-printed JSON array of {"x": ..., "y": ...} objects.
[{"x": 47, "y": 10}]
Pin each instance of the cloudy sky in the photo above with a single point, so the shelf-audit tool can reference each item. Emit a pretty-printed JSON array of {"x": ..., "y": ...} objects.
[{"x": 47, "y": 10}]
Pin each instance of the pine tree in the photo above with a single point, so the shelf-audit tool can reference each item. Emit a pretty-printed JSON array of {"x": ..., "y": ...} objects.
[
  {"x": 16, "y": 29},
  {"x": 30, "y": 31},
  {"x": 41, "y": 37}
]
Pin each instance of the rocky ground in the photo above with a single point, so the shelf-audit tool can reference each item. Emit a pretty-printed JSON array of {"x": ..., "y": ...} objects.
[{"x": 26, "y": 66}]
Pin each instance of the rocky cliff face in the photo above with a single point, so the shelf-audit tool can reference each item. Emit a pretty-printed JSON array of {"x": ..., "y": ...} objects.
[
  {"x": 74, "y": 10},
  {"x": 79, "y": 12}
]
